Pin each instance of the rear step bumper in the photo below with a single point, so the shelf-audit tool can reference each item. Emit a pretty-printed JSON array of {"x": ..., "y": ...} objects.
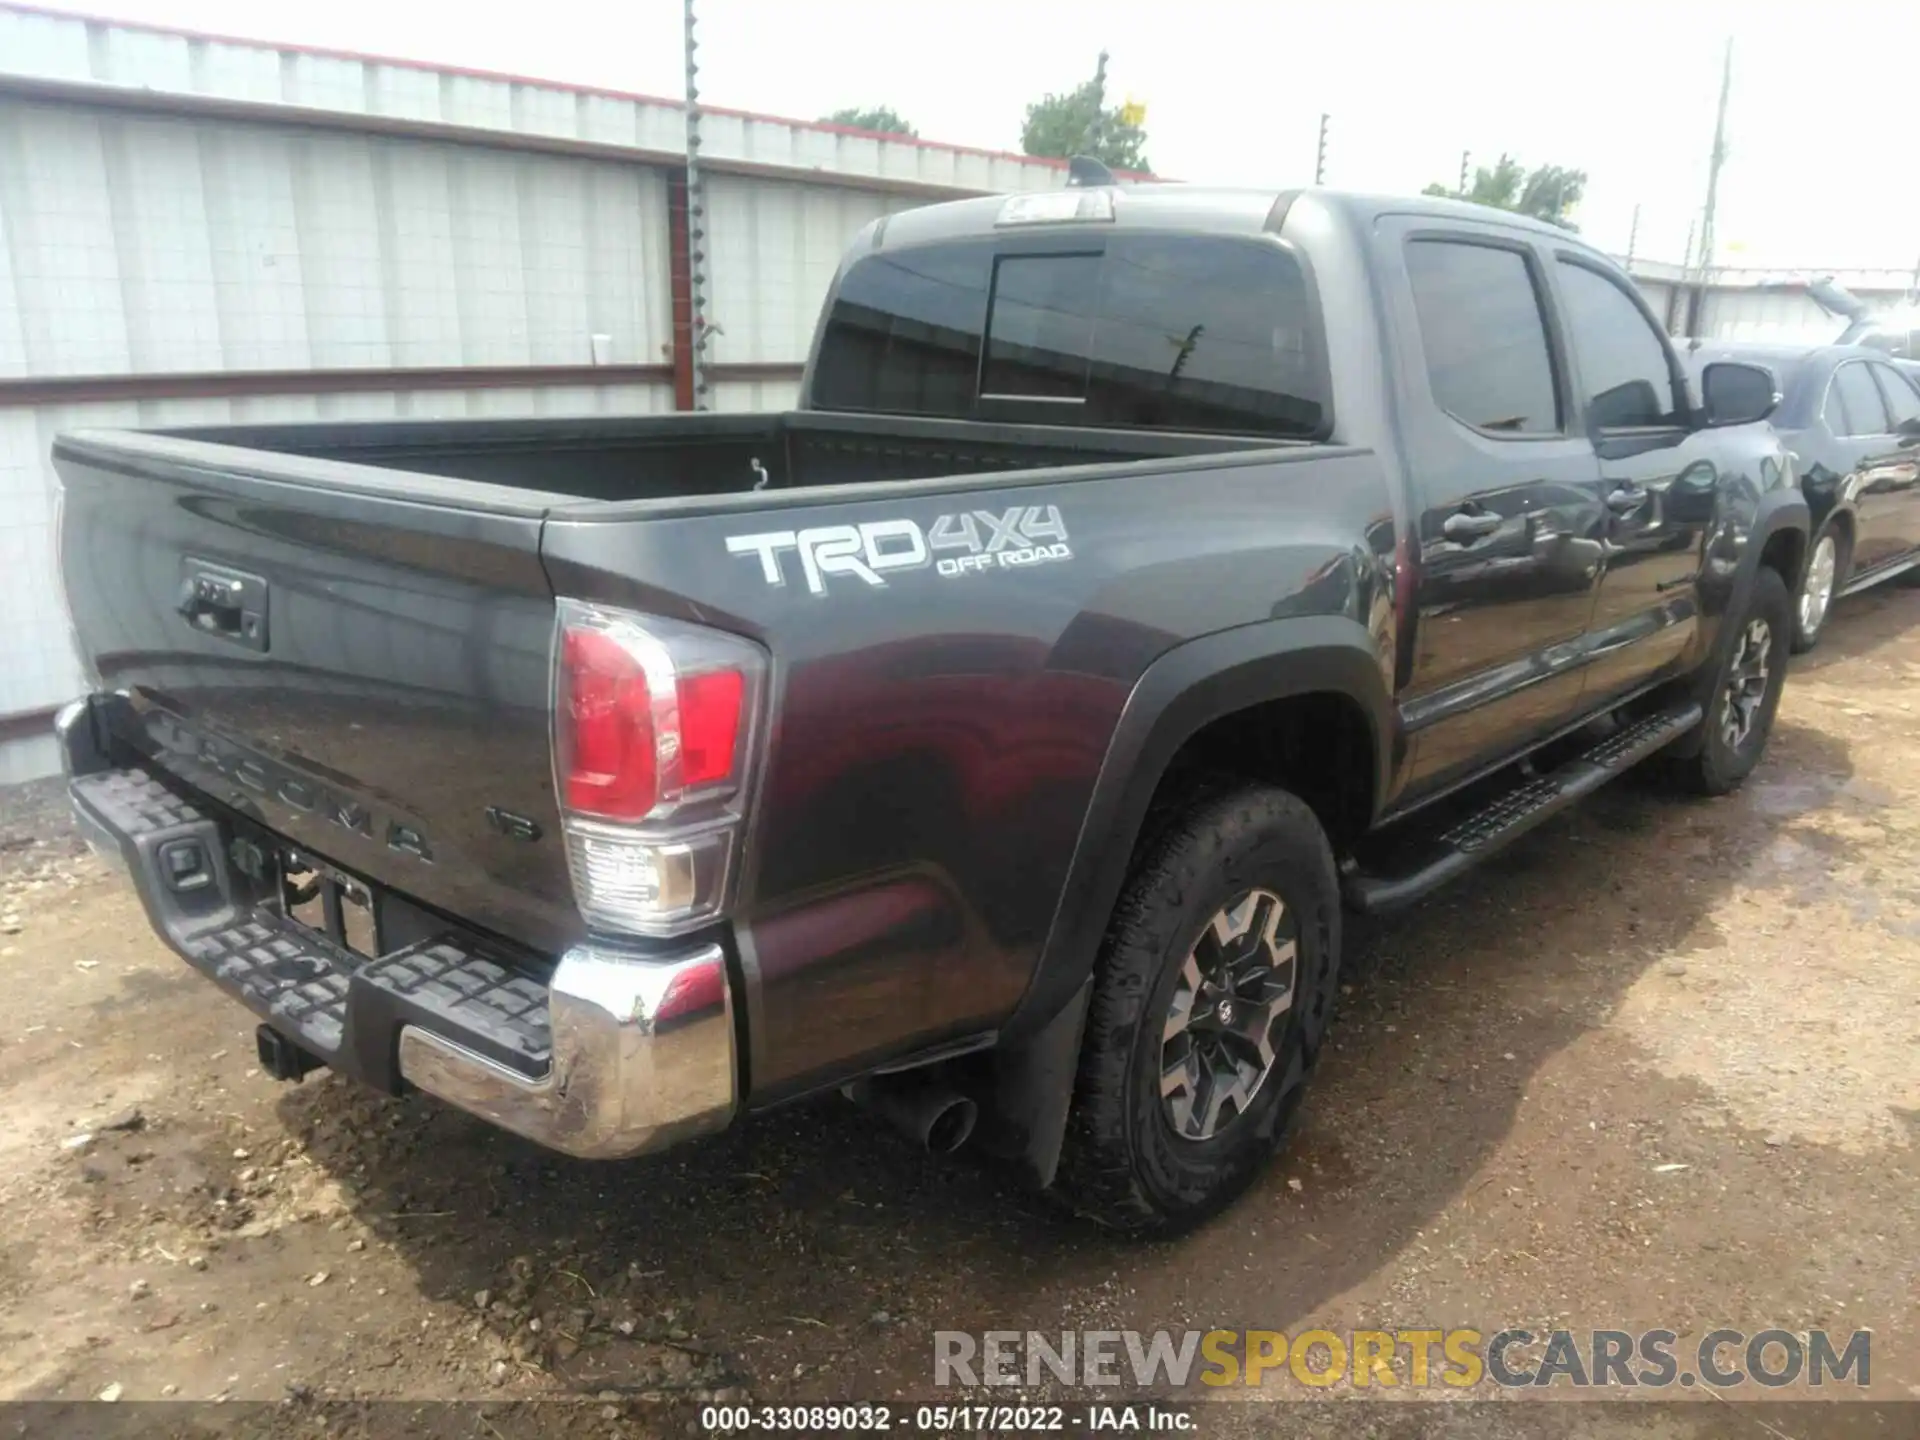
[{"x": 618, "y": 1055}]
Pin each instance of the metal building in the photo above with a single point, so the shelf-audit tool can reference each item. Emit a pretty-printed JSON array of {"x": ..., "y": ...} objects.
[
  {"x": 1730, "y": 303},
  {"x": 1771, "y": 305},
  {"x": 201, "y": 230}
]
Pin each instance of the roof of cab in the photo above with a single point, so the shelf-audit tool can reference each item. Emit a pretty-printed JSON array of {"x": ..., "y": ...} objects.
[{"x": 1200, "y": 209}]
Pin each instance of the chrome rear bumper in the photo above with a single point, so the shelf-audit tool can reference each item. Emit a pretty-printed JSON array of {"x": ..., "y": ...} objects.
[
  {"x": 619, "y": 1054},
  {"x": 642, "y": 1058}
]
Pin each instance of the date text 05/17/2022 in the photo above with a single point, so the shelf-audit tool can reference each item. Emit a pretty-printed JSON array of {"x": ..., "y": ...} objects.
[{"x": 945, "y": 1419}]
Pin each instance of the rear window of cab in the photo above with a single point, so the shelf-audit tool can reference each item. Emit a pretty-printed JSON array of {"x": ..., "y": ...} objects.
[{"x": 1197, "y": 333}]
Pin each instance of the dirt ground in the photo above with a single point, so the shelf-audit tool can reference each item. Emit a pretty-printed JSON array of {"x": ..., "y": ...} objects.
[{"x": 1660, "y": 1067}]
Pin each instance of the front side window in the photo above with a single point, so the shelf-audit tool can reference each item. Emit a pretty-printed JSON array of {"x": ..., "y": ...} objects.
[
  {"x": 1483, "y": 336},
  {"x": 1624, "y": 372}
]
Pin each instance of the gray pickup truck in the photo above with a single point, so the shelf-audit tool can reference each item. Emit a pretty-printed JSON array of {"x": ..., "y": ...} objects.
[{"x": 1148, "y": 573}]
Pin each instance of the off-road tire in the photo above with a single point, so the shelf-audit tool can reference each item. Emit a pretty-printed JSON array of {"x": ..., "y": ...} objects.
[
  {"x": 1122, "y": 1163},
  {"x": 1719, "y": 766}
]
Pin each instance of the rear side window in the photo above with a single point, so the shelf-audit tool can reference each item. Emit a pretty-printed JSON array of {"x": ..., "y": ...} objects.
[
  {"x": 1859, "y": 410},
  {"x": 1903, "y": 402},
  {"x": 1145, "y": 332},
  {"x": 1205, "y": 334},
  {"x": 904, "y": 335},
  {"x": 1620, "y": 356},
  {"x": 1483, "y": 336}
]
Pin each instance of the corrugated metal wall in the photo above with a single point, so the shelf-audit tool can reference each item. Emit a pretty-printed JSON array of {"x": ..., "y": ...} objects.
[
  {"x": 775, "y": 247},
  {"x": 1760, "y": 315},
  {"x": 116, "y": 62},
  {"x": 147, "y": 245},
  {"x": 1659, "y": 296},
  {"x": 1750, "y": 304},
  {"x": 142, "y": 244},
  {"x": 1741, "y": 313}
]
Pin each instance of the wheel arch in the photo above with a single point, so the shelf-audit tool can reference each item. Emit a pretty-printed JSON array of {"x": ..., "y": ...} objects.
[{"x": 1209, "y": 692}]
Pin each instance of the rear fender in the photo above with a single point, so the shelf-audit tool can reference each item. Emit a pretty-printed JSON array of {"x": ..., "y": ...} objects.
[{"x": 1184, "y": 690}]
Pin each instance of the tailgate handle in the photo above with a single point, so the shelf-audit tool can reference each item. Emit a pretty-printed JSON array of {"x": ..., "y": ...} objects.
[{"x": 226, "y": 604}]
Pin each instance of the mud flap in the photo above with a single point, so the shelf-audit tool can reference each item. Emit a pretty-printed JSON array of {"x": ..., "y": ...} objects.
[{"x": 1030, "y": 1091}]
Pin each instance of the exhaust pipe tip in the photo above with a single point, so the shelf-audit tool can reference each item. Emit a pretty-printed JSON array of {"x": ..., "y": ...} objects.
[
  {"x": 951, "y": 1126},
  {"x": 933, "y": 1115}
]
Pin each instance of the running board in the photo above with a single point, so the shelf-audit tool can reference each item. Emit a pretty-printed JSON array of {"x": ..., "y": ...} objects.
[{"x": 1420, "y": 866}]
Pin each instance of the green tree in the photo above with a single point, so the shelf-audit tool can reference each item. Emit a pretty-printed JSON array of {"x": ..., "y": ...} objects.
[
  {"x": 1081, "y": 122},
  {"x": 882, "y": 119},
  {"x": 1546, "y": 192}
]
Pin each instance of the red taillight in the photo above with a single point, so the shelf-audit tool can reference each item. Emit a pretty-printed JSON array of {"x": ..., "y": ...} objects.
[
  {"x": 655, "y": 729},
  {"x": 621, "y": 752},
  {"x": 710, "y": 708},
  {"x": 608, "y": 753}
]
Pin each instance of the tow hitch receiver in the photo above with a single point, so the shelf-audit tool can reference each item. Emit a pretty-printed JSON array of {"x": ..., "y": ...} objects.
[{"x": 280, "y": 1057}]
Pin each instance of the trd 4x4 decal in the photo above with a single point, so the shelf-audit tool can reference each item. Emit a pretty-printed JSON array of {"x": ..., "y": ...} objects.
[{"x": 968, "y": 543}]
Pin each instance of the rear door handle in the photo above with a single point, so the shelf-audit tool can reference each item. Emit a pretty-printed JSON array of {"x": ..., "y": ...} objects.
[
  {"x": 1466, "y": 525},
  {"x": 1626, "y": 500}
]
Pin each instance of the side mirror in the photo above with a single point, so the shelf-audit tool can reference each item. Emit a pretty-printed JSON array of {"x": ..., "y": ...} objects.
[
  {"x": 1734, "y": 393},
  {"x": 1909, "y": 430}
]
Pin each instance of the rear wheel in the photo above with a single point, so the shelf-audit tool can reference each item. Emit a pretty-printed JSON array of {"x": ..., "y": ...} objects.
[
  {"x": 1826, "y": 572},
  {"x": 1746, "y": 691},
  {"x": 1211, "y": 998}
]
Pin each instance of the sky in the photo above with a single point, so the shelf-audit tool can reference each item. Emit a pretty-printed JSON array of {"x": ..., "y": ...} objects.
[{"x": 1823, "y": 163}]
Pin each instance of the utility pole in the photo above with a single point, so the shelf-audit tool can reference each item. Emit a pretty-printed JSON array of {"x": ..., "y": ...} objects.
[
  {"x": 1633, "y": 235},
  {"x": 696, "y": 228},
  {"x": 1465, "y": 156},
  {"x": 1715, "y": 161},
  {"x": 1320, "y": 158},
  {"x": 1097, "y": 122}
]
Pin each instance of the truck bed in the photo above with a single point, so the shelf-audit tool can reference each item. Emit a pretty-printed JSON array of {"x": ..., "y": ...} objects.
[
  {"x": 652, "y": 457},
  {"x": 400, "y": 674}
]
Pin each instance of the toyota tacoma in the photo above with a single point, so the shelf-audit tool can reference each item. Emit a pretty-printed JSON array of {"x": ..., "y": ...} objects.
[{"x": 1146, "y": 574}]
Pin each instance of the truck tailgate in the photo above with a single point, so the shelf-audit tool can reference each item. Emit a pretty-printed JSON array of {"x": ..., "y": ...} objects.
[{"x": 356, "y": 658}]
